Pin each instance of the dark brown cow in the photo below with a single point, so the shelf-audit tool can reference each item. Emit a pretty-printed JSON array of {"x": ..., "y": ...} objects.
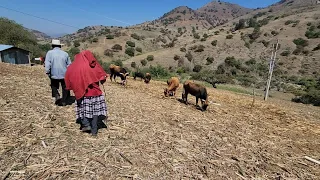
[
  {"x": 118, "y": 71},
  {"x": 147, "y": 78},
  {"x": 197, "y": 90}
]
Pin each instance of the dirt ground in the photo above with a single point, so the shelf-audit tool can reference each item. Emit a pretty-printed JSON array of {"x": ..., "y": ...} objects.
[{"x": 152, "y": 137}]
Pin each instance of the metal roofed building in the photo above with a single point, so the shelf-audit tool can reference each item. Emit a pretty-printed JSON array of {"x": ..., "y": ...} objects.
[{"x": 14, "y": 55}]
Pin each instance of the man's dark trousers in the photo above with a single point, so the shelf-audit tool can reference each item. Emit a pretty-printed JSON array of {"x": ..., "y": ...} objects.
[{"x": 55, "y": 84}]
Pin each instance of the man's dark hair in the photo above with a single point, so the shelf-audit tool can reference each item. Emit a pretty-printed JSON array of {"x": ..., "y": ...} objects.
[{"x": 53, "y": 46}]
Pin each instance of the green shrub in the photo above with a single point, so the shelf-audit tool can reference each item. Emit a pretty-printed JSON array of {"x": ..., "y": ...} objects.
[
  {"x": 232, "y": 62},
  {"x": 309, "y": 24},
  {"x": 109, "y": 36},
  {"x": 189, "y": 56},
  {"x": 263, "y": 22},
  {"x": 143, "y": 62},
  {"x": 217, "y": 32},
  {"x": 196, "y": 36},
  {"x": 117, "y": 47},
  {"x": 214, "y": 43},
  {"x": 240, "y": 25},
  {"x": 205, "y": 36},
  {"x": 247, "y": 80},
  {"x": 197, "y": 68},
  {"x": 176, "y": 57},
  {"x": 135, "y": 36},
  {"x": 209, "y": 60},
  {"x": 312, "y": 96},
  {"x": 117, "y": 62},
  {"x": 253, "y": 22},
  {"x": 203, "y": 39},
  {"x": 95, "y": 40},
  {"x": 130, "y": 51},
  {"x": 285, "y": 53},
  {"x": 183, "y": 49},
  {"x": 221, "y": 69},
  {"x": 200, "y": 48},
  {"x": 312, "y": 34},
  {"x": 301, "y": 42},
  {"x": 265, "y": 43},
  {"x": 108, "y": 52},
  {"x": 251, "y": 62},
  {"x": 181, "y": 70},
  {"x": 150, "y": 57},
  {"x": 229, "y": 36},
  {"x": 158, "y": 71},
  {"x": 131, "y": 44},
  {"x": 139, "y": 49},
  {"x": 76, "y": 43},
  {"x": 133, "y": 64},
  {"x": 255, "y": 34},
  {"x": 73, "y": 51},
  {"x": 288, "y": 22}
]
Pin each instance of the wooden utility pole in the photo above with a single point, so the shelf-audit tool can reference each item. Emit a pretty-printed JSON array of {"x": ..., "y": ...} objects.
[{"x": 271, "y": 66}]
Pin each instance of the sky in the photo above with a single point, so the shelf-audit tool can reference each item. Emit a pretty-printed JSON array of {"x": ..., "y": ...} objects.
[{"x": 81, "y": 13}]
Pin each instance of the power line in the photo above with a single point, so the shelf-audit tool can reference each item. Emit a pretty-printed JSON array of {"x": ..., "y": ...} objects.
[{"x": 39, "y": 17}]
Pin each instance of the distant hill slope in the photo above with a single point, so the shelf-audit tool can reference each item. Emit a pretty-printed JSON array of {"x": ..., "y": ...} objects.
[
  {"x": 184, "y": 42},
  {"x": 39, "y": 35},
  {"x": 217, "y": 13},
  {"x": 211, "y": 14}
]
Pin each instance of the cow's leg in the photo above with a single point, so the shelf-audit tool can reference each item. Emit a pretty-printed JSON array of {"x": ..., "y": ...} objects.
[
  {"x": 197, "y": 100},
  {"x": 186, "y": 98}
]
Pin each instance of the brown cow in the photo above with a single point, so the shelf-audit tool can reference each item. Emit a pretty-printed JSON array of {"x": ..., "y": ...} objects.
[
  {"x": 147, "y": 78},
  {"x": 173, "y": 85},
  {"x": 197, "y": 90},
  {"x": 118, "y": 71}
]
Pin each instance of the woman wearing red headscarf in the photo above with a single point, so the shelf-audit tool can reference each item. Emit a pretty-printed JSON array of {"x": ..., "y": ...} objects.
[{"x": 83, "y": 77}]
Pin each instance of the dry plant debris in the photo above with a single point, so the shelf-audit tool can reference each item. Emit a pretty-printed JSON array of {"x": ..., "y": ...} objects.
[{"x": 152, "y": 137}]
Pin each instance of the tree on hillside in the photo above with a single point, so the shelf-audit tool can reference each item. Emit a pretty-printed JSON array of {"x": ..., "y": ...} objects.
[
  {"x": 15, "y": 34},
  {"x": 72, "y": 52},
  {"x": 76, "y": 43},
  {"x": 117, "y": 47},
  {"x": 240, "y": 25}
]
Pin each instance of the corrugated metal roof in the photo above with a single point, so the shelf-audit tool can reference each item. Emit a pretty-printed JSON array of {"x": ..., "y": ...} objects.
[{"x": 4, "y": 47}]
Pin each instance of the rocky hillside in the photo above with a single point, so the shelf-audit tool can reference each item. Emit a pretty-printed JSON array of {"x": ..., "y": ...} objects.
[
  {"x": 218, "y": 13},
  {"x": 39, "y": 35},
  {"x": 183, "y": 41},
  {"x": 210, "y": 15}
]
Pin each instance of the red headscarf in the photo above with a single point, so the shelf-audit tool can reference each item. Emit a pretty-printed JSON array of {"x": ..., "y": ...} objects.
[{"x": 82, "y": 72}]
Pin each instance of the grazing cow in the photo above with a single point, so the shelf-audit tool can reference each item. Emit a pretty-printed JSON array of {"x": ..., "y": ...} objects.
[
  {"x": 118, "y": 71},
  {"x": 197, "y": 90},
  {"x": 173, "y": 84},
  {"x": 138, "y": 74},
  {"x": 147, "y": 78}
]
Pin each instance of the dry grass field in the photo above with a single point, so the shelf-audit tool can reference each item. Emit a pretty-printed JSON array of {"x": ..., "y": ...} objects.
[{"x": 152, "y": 137}]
